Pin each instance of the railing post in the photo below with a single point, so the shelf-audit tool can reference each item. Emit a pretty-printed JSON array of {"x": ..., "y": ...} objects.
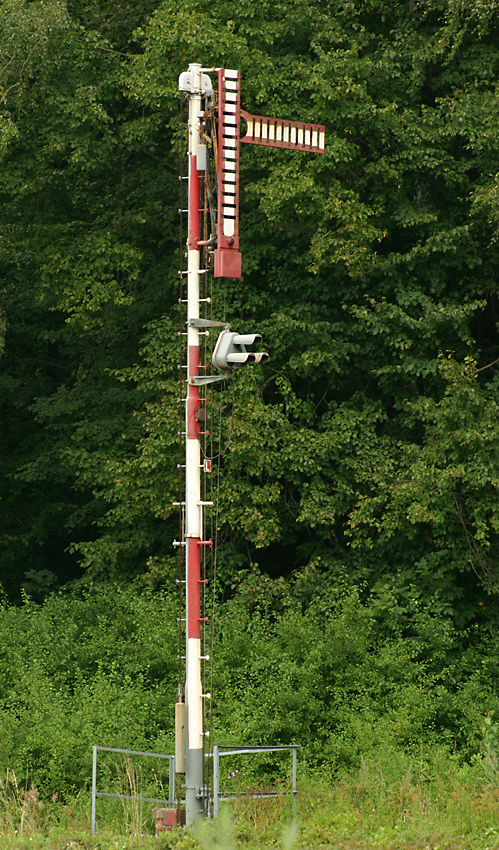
[
  {"x": 171, "y": 781},
  {"x": 216, "y": 781},
  {"x": 94, "y": 785},
  {"x": 294, "y": 789}
]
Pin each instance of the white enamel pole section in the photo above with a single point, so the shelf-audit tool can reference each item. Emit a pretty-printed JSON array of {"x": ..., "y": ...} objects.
[{"x": 194, "y": 767}]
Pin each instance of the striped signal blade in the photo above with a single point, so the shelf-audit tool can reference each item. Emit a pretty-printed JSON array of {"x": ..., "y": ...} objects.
[
  {"x": 279, "y": 133},
  {"x": 227, "y": 255},
  {"x": 272, "y": 132}
]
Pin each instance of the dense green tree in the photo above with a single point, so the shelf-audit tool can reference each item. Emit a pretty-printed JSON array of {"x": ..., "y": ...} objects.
[
  {"x": 83, "y": 269},
  {"x": 368, "y": 444}
]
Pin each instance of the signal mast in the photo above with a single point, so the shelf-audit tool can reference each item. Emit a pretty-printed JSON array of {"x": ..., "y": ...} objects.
[{"x": 222, "y": 121}]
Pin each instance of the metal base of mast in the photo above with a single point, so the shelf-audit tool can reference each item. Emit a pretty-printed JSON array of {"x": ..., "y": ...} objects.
[{"x": 194, "y": 789}]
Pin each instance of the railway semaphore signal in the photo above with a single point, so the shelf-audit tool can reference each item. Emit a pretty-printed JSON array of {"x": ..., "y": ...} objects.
[{"x": 214, "y": 130}]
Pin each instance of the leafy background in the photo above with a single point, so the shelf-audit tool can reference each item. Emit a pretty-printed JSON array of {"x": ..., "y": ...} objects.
[{"x": 358, "y": 520}]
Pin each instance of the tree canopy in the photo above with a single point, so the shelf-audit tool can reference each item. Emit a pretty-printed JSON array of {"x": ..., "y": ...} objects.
[{"x": 366, "y": 450}]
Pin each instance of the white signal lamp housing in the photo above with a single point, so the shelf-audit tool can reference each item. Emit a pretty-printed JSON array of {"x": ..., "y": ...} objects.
[{"x": 231, "y": 353}]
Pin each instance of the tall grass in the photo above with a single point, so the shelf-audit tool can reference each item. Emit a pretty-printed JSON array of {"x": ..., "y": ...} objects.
[
  {"x": 133, "y": 809},
  {"x": 21, "y": 810},
  {"x": 396, "y": 804}
]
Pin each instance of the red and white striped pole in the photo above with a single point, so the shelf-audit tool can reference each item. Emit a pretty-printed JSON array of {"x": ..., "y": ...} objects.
[{"x": 194, "y": 766}]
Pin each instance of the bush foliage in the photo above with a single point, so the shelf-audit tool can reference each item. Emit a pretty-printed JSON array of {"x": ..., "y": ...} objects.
[{"x": 346, "y": 677}]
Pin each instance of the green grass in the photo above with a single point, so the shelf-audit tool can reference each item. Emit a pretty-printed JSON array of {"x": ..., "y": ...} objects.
[{"x": 423, "y": 807}]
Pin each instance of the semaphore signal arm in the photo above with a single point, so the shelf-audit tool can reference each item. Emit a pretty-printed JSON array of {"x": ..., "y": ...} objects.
[{"x": 226, "y": 139}]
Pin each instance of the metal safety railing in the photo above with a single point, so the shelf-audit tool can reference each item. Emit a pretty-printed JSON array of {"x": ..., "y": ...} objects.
[
  {"x": 218, "y": 752},
  {"x": 96, "y": 793}
]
